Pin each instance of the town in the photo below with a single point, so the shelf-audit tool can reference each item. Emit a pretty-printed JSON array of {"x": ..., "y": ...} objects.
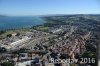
[{"x": 61, "y": 40}]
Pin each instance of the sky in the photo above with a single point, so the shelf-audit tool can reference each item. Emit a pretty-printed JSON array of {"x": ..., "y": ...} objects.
[{"x": 45, "y": 7}]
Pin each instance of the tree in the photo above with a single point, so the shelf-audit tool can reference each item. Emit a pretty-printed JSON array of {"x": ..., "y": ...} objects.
[
  {"x": 2, "y": 50},
  {"x": 1, "y": 32},
  {"x": 90, "y": 47},
  {"x": 17, "y": 34},
  {"x": 7, "y": 64},
  {"x": 9, "y": 35}
]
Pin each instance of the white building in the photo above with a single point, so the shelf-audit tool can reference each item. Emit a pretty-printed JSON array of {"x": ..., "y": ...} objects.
[{"x": 17, "y": 44}]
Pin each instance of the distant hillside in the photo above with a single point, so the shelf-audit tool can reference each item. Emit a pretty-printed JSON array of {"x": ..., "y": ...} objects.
[
  {"x": 89, "y": 21},
  {"x": 3, "y": 16}
]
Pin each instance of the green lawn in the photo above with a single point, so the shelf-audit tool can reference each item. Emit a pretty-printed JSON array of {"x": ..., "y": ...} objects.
[{"x": 42, "y": 28}]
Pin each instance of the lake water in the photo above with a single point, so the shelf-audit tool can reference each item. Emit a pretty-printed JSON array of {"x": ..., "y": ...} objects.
[{"x": 19, "y": 22}]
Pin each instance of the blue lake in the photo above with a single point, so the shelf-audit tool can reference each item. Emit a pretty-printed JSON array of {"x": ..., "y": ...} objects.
[{"x": 19, "y": 22}]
